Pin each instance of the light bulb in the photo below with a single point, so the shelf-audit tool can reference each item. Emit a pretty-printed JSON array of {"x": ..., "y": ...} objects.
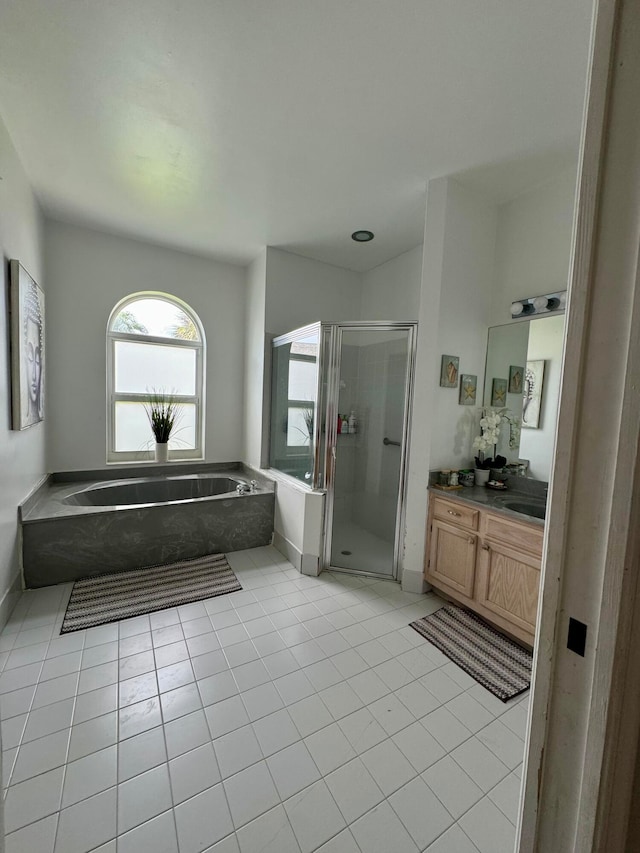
[
  {"x": 516, "y": 309},
  {"x": 540, "y": 303}
]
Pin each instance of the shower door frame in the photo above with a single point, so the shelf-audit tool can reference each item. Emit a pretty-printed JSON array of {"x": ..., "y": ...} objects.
[{"x": 330, "y": 405}]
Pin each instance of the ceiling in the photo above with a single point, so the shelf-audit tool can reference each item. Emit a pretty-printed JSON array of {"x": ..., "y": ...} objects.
[{"x": 221, "y": 126}]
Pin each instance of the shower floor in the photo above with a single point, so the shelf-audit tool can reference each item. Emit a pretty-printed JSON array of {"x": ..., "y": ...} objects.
[{"x": 369, "y": 553}]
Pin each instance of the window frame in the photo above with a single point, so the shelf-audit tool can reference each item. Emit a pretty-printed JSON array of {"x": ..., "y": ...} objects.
[{"x": 197, "y": 399}]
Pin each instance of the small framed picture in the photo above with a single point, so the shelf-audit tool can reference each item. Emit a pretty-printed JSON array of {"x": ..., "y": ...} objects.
[
  {"x": 516, "y": 378},
  {"x": 499, "y": 393},
  {"x": 532, "y": 394},
  {"x": 468, "y": 388},
  {"x": 449, "y": 371}
]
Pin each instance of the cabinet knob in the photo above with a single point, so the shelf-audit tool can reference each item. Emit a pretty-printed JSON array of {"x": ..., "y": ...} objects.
[
  {"x": 471, "y": 540},
  {"x": 486, "y": 547},
  {"x": 451, "y": 512}
]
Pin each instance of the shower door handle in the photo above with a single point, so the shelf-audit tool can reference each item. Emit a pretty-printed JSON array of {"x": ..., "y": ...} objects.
[{"x": 386, "y": 441}]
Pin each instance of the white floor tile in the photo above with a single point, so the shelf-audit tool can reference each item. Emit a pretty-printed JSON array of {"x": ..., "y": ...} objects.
[
  {"x": 186, "y": 733},
  {"x": 354, "y": 790},
  {"x": 418, "y": 746},
  {"x": 310, "y": 715},
  {"x": 421, "y": 812},
  {"x": 292, "y": 769},
  {"x": 34, "y": 799},
  {"x": 93, "y": 735},
  {"x": 193, "y": 772},
  {"x": 453, "y": 840},
  {"x": 141, "y": 753},
  {"x": 388, "y": 766},
  {"x": 453, "y": 787},
  {"x": 270, "y": 833},
  {"x": 380, "y": 831},
  {"x": 329, "y": 748},
  {"x": 37, "y": 837},
  {"x": 480, "y": 763},
  {"x": 225, "y": 716},
  {"x": 137, "y": 718},
  {"x": 203, "y": 820},
  {"x": 212, "y": 691},
  {"x": 89, "y": 775},
  {"x": 503, "y": 743},
  {"x": 261, "y": 701},
  {"x": 250, "y": 793},
  {"x": 39, "y": 756},
  {"x": 88, "y": 824},
  {"x": 314, "y": 816},
  {"x": 343, "y": 842},
  {"x": 237, "y": 750},
  {"x": 488, "y": 828},
  {"x": 157, "y": 835},
  {"x": 275, "y": 732},
  {"x": 506, "y": 795},
  {"x": 362, "y": 730},
  {"x": 143, "y": 797}
]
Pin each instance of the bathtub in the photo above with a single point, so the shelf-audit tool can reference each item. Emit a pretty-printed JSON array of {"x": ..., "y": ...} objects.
[
  {"x": 85, "y": 528},
  {"x": 154, "y": 490}
]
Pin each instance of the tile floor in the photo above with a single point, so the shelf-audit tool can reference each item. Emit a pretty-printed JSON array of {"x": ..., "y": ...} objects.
[{"x": 301, "y": 714}]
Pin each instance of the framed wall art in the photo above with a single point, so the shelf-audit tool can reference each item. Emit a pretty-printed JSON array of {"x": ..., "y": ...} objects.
[
  {"x": 27, "y": 348},
  {"x": 516, "y": 377},
  {"x": 532, "y": 394},
  {"x": 449, "y": 371},
  {"x": 468, "y": 389},
  {"x": 499, "y": 393}
]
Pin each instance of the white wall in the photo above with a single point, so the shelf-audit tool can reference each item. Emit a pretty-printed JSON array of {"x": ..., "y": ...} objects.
[
  {"x": 22, "y": 454},
  {"x": 256, "y": 384},
  {"x": 463, "y": 319},
  {"x": 302, "y": 291},
  {"x": 392, "y": 290},
  {"x": 545, "y": 342},
  {"x": 533, "y": 244},
  {"x": 88, "y": 272}
]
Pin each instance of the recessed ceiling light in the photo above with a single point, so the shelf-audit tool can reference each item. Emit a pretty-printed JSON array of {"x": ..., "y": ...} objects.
[{"x": 362, "y": 236}]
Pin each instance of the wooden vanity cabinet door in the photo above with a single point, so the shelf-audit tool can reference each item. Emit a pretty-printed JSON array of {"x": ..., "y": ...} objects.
[
  {"x": 507, "y": 584},
  {"x": 452, "y": 558}
]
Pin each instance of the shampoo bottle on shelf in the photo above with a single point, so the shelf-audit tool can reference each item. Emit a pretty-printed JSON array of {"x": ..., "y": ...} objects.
[
  {"x": 345, "y": 424},
  {"x": 353, "y": 423}
]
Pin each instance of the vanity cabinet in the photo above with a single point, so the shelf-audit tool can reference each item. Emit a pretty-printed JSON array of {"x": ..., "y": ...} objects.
[{"x": 486, "y": 561}]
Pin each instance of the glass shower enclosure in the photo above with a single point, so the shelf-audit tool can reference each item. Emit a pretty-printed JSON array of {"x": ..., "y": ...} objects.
[{"x": 340, "y": 404}]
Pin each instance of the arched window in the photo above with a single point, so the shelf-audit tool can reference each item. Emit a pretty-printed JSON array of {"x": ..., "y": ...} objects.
[{"x": 155, "y": 344}]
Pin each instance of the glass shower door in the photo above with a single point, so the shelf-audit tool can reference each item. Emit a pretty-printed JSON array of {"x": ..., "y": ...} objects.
[{"x": 372, "y": 392}]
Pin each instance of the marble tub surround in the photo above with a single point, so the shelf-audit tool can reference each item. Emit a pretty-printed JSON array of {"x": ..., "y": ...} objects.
[
  {"x": 63, "y": 541},
  {"x": 49, "y": 500}
]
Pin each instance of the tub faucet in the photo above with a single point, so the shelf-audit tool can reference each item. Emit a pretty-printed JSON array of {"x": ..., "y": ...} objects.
[{"x": 243, "y": 488}]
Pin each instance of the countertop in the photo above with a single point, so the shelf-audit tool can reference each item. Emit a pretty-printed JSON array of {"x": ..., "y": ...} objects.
[{"x": 495, "y": 500}]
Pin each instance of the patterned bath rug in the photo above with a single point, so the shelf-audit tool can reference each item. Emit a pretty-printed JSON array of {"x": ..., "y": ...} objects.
[
  {"x": 495, "y": 661},
  {"x": 121, "y": 595}
]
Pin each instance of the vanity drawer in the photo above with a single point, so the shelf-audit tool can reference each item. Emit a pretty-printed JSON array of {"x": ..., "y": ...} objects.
[
  {"x": 455, "y": 513},
  {"x": 517, "y": 534}
]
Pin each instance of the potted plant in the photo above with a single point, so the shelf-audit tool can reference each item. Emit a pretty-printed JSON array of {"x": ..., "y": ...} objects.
[
  {"x": 487, "y": 442},
  {"x": 163, "y": 411}
]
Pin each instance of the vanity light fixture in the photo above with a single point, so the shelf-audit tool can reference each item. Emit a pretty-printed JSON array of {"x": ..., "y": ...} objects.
[
  {"x": 362, "y": 236},
  {"x": 551, "y": 303}
]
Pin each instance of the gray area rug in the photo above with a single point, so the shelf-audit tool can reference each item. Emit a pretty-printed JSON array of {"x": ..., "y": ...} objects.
[
  {"x": 495, "y": 661},
  {"x": 108, "y": 598}
]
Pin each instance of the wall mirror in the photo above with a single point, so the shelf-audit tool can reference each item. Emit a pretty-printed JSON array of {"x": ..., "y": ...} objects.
[{"x": 523, "y": 371}]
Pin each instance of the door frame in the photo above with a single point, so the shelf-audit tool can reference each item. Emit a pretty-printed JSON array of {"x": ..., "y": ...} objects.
[
  {"x": 333, "y": 353},
  {"x": 584, "y": 719}
]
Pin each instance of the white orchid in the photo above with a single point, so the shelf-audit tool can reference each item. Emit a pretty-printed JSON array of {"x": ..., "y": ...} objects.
[{"x": 490, "y": 423}]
